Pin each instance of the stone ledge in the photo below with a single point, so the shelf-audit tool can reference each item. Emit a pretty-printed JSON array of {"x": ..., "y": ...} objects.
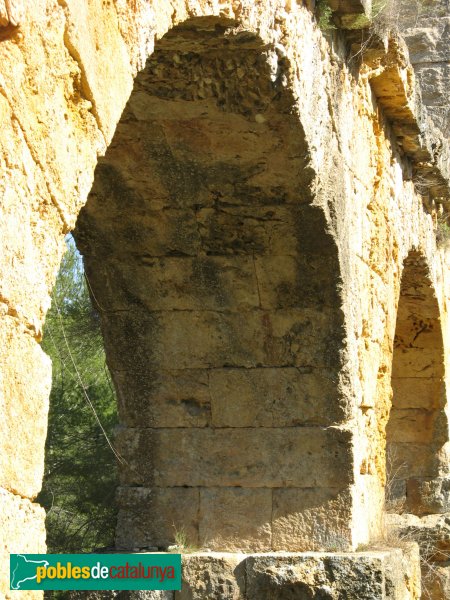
[
  {"x": 391, "y": 75},
  {"x": 313, "y": 457},
  {"x": 392, "y": 79},
  {"x": 19, "y": 515},
  {"x": 391, "y": 574},
  {"x": 268, "y": 520}
]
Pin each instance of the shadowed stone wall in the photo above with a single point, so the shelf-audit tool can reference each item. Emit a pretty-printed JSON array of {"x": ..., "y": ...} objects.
[
  {"x": 245, "y": 252},
  {"x": 217, "y": 283}
]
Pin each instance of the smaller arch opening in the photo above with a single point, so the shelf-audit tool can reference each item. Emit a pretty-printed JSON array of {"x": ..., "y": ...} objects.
[{"x": 417, "y": 426}]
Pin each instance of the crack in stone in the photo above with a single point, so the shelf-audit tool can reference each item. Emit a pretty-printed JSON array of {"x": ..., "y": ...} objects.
[{"x": 75, "y": 55}]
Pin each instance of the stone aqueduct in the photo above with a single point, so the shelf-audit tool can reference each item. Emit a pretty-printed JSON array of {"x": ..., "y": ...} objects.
[{"x": 257, "y": 202}]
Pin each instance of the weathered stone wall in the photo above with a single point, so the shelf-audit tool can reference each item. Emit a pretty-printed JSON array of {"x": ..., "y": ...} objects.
[
  {"x": 215, "y": 275},
  {"x": 425, "y": 27},
  {"x": 275, "y": 183}
]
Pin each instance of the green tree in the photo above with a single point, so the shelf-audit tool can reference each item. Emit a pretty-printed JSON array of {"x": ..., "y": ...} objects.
[{"x": 80, "y": 471}]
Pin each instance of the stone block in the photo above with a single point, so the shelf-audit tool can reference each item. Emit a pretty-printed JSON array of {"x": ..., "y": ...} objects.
[
  {"x": 25, "y": 382},
  {"x": 212, "y": 575},
  {"x": 234, "y": 576},
  {"x": 178, "y": 283},
  {"x": 249, "y": 230},
  {"x": 29, "y": 260},
  {"x": 418, "y": 392},
  {"x": 128, "y": 338},
  {"x": 235, "y": 519},
  {"x": 365, "y": 576},
  {"x": 311, "y": 519},
  {"x": 151, "y": 518},
  {"x": 414, "y": 460},
  {"x": 107, "y": 228},
  {"x": 430, "y": 532},
  {"x": 22, "y": 531},
  {"x": 87, "y": 42},
  {"x": 352, "y": 14},
  {"x": 187, "y": 153},
  {"x": 273, "y": 397},
  {"x": 305, "y": 457},
  {"x": 411, "y": 425},
  {"x": 164, "y": 398},
  {"x": 403, "y": 572},
  {"x": 419, "y": 362},
  {"x": 190, "y": 165},
  {"x": 56, "y": 120},
  {"x": 392, "y": 574},
  {"x": 433, "y": 80},
  {"x": 427, "y": 496},
  {"x": 426, "y": 40},
  {"x": 204, "y": 339},
  {"x": 300, "y": 280},
  {"x": 274, "y": 230}
]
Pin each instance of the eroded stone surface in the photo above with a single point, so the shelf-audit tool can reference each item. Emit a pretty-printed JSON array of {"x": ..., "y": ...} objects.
[
  {"x": 432, "y": 533},
  {"x": 23, "y": 398},
  {"x": 213, "y": 575},
  {"x": 436, "y": 580},
  {"x": 428, "y": 496},
  {"x": 298, "y": 529},
  {"x": 391, "y": 574},
  {"x": 22, "y": 531},
  {"x": 312, "y": 457},
  {"x": 363, "y": 576}
]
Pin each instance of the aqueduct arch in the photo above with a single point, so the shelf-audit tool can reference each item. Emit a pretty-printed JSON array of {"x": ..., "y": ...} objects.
[
  {"x": 217, "y": 283},
  {"x": 359, "y": 141},
  {"x": 418, "y": 424}
]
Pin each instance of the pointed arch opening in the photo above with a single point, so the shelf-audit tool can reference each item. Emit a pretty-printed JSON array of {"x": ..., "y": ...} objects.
[{"x": 417, "y": 427}]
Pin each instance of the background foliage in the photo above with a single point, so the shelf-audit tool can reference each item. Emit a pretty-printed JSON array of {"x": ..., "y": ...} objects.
[{"x": 80, "y": 472}]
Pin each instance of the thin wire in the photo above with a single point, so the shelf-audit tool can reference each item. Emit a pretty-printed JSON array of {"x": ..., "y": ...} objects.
[{"x": 83, "y": 387}]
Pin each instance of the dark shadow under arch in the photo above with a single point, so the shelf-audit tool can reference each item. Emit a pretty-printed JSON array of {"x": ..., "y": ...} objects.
[{"x": 218, "y": 285}]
